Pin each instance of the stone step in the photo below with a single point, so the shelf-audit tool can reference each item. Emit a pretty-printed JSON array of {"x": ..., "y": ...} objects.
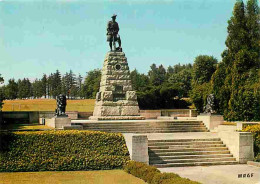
[
  {"x": 185, "y": 126},
  {"x": 184, "y": 140},
  {"x": 192, "y": 160},
  {"x": 187, "y": 149},
  {"x": 186, "y": 146},
  {"x": 145, "y": 123},
  {"x": 141, "y": 126},
  {"x": 148, "y": 128},
  {"x": 150, "y": 131},
  {"x": 183, "y": 153},
  {"x": 195, "y": 164},
  {"x": 155, "y": 157},
  {"x": 183, "y": 143}
]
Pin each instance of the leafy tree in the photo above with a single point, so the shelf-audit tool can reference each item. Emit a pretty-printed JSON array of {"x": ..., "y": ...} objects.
[
  {"x": 139, "y": 81},
  {"x": 203, "y": 68},
  {"x": 182, "y": 80},
  {"x": 92, "y": 82}
]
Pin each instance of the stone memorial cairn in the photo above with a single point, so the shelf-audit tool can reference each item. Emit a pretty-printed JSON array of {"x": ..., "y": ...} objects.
[{"x": 116, "y": 98}]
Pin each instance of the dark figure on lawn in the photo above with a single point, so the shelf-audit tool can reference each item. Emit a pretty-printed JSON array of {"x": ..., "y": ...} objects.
[
  {"x": 61, "y": 105},
  {"x": 112, "y": 34}
]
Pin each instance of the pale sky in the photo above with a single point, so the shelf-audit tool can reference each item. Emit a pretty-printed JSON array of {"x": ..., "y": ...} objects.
[{"x": 40, "y": 36}]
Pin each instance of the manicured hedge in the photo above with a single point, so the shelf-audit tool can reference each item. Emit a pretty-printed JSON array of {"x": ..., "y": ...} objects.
[
  {"x": 255, "y": 129},
  {"x": 61, "y": 151},
  {"x": 152, "y": 175}
]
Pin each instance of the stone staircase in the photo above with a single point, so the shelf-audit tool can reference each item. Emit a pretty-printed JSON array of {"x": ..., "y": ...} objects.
[
  {"x": 146, "y": 127},
  {"x": 189, "y": 152}
]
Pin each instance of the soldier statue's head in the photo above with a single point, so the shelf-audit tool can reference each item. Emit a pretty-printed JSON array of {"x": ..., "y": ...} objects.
[{"x": 114, "y": 17}]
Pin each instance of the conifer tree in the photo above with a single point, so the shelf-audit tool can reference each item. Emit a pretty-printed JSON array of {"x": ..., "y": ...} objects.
[
  {"x": 44, "y": 86},
  {"x": 236, "y": 76},
  {"x": 11, "y": 89}
]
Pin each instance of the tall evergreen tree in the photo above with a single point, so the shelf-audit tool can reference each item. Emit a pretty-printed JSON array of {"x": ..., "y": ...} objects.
[
  {"x": 37, "y": 88},
  {"x": 80, "y": 86},
  {"x": 24, "y": 88},
  {"x": 11, "y": 89},
  {"x": 157, "y": 75},
  {"x": 233, "y": 82},
  {"x": 44, "y": 86},
  {"x": 2, "y": 95}
]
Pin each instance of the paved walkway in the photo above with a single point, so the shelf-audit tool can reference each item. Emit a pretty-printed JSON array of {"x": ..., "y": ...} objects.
[{"x": 223, "y": 174}]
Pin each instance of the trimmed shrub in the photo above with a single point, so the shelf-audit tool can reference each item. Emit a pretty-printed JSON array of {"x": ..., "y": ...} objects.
[
  {"x": 255, "y": 129},
  {"x": 152, "y": 175},
  {"x": 62, "y": 151},
  {"x": 141, "y": 170},
  {"x": 159, "y": 178}
]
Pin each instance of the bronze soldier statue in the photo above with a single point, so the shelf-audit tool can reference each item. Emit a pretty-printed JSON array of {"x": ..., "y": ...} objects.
[
  {"x": 112, "y": 34},
  {"x": 210, "y": 107},
  {"x": 61, "y": 105}
]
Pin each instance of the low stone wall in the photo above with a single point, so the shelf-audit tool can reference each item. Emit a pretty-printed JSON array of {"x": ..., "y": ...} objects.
[
  {"x": 153, "y": 114},
  {"x": 242, "y": 124},
  {"x": 231, "y": 128},
  {"x": 20, "y": 117},
  {"x": 150, "y": 114},
  {"x": 240, "y": 144},
  {"x": 32, "y": 116},
  {"x": 179, "y": 112}
]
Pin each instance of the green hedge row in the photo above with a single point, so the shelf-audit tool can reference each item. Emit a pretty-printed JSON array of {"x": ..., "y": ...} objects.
[
  {"x": 255, "y": 129},
  {"x": 152, "y": 175},
  {"x": 61, "y": 151}
]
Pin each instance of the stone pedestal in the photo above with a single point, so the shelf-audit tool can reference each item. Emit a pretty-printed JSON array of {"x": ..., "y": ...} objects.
[
  {"x": 58, "y": 122},
  {"x": 116, "y": 100},
  {"x": 211, "y": 120}
]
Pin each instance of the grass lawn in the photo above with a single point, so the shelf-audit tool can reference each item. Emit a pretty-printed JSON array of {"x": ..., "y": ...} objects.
[
  {"x": 86, "y": 105},
  {"x": 70, "y": 177},
  {"x": 24, "y": 127}
]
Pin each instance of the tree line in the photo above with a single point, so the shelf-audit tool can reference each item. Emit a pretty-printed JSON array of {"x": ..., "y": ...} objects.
[{"x": 234, "y": 81}]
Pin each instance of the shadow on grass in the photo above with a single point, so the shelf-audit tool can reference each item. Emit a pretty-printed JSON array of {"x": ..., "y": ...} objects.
[{"x": 23, "y": 126}]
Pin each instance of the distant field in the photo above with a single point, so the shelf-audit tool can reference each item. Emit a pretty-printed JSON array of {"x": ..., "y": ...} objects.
[{"x": 86, "y": 105}]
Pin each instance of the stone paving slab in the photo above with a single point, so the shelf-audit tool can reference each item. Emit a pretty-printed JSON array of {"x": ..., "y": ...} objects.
[{"x": 223, "y": 174}]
